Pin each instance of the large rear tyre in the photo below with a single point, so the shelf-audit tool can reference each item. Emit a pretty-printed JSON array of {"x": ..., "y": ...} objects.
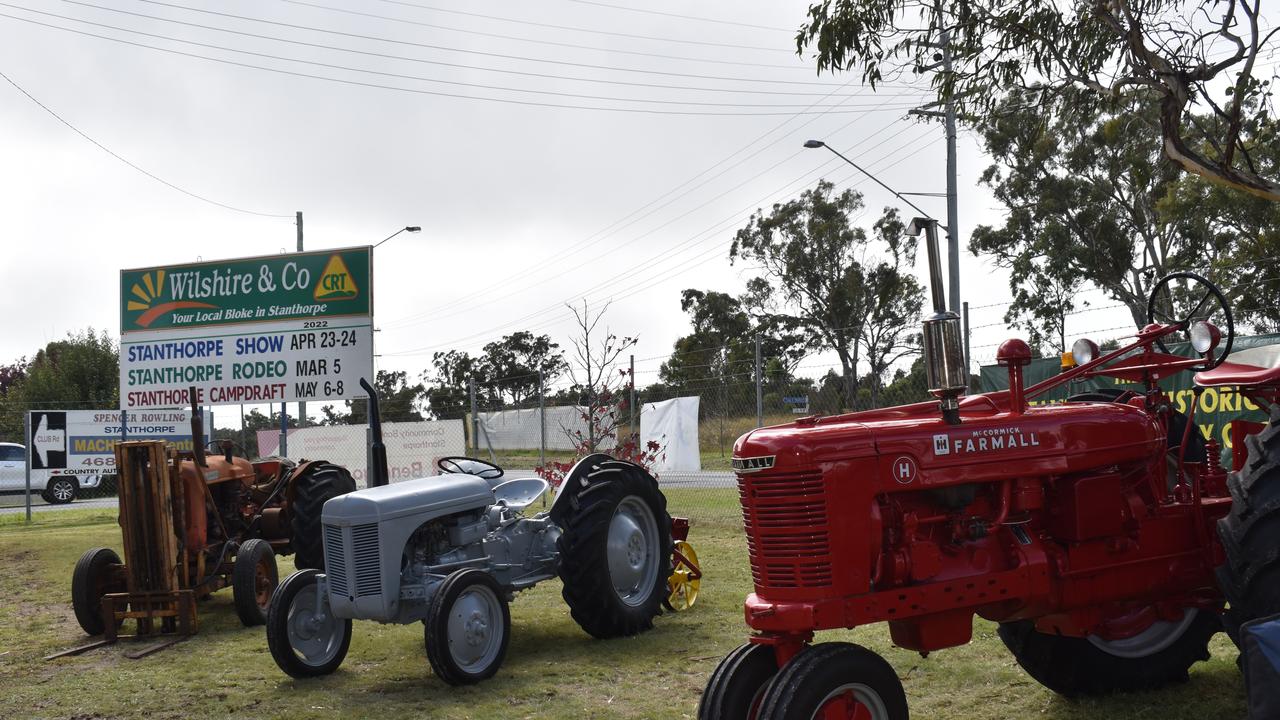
[
  {"x": 97, "y": 572},
  {"x": 253, "y": 579},
  {"x": 1250, "y": 533},
  {"x": 467, "y": 628},
  {"x": 305, "y": 638},
  {"x": 737, "y": 685},
  {"x": 615, "y": 550},
  {"x": 1072, "y": 666},
  {"x": 835, "y": 680},
  {"x": 320, "y": 482}
]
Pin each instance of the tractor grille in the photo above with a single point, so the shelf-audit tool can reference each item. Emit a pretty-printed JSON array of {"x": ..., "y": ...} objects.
[
  {"x": 364, "y": 563},
  {"x": 785, "y": 516},
  {"x": 335, "y": 560},
  {"x": 364, "y": 555}
]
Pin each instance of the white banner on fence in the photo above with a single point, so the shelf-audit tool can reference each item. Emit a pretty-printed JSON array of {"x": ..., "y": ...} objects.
[
  {"x": 520, "y": 429},
  {"x": 412, "y": 447},
  {"x": 673, "y": 424}
]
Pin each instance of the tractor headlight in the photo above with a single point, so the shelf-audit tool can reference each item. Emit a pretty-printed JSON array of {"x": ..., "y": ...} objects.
[
  {"x": 1084, "y": 351},
  {"x": 1204, "y": 336}
]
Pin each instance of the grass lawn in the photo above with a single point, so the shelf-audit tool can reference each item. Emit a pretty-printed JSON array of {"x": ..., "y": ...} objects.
[{"x": 552, "y": 670}]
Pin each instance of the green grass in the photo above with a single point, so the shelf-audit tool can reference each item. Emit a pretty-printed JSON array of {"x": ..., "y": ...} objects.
[{"x": 552, "y": 670}]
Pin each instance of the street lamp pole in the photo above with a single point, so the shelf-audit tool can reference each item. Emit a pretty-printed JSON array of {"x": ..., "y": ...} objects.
[
  {"x": 407, "y": 228},
  {"x": 818, "y": 143}
]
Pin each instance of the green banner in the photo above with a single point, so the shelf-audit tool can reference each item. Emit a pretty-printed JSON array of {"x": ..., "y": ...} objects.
[
  {"x": 296, "y": 286},
  {"x": 1213, "y": 416}
]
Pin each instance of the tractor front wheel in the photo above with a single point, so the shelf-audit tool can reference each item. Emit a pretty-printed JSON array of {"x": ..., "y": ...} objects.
[
  {"x": 319, "y": 482},
  {"x": 467, "y": 628},
  {"x": 1250, "y": 578},
  {"x": 615, "y": 550},
  {"x": 738, "y": 684},
  {"x": 1071, "y": 666},
  {"x": 835, "y": 680},
  {"x": 253, "y": 579},
  {"x": 305, "y": 638}
]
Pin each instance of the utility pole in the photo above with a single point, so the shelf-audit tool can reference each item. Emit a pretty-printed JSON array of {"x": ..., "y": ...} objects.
[
  {"x": 953, "y": 210},
  {"x": 302, "y": 406},
  {"x": 759, "y": 386}
]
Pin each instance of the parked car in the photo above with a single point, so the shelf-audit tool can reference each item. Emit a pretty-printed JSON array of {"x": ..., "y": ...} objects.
[{"x": 55, "y": 486}]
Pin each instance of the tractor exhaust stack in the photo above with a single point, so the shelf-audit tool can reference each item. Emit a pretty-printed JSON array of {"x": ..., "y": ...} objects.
[{"x": 943, "y": 339}]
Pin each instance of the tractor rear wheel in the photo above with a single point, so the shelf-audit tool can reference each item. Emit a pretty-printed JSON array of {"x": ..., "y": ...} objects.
[
  {"x": 615, "y": 550},
  {"x": 320, "y": 482},
  {"x": 97, "y": 573},
  {"x": 253, "y": 579},
  {"x": 1250, "y": 533},
  {"x": 738, "y": 684},
  {"x": 1159, "y": 655},
  {"x": 835, "y": 679}
]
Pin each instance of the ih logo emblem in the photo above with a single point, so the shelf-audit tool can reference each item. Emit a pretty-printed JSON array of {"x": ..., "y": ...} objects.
[
  {"x": 941, "y": 444},
  {"x": 904, "y": 469},
  {"x": 336, "y": 282}
]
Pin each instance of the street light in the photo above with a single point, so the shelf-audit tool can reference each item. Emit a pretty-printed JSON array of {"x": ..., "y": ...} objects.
[
  {"x": 407, "y": 228},
  {"x": 818, "y": 143}
]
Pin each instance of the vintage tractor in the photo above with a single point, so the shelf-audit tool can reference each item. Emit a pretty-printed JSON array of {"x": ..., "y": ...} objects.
[
  {"x": 196, "y": 522},
  {"x": 452, "y": 550},
  {"x": 1085, "y": 528}
]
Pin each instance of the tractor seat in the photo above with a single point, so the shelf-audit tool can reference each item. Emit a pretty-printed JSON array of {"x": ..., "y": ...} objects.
[
  {"x": 1256, "y": 367},
  {"x": 520, "y": 493}
]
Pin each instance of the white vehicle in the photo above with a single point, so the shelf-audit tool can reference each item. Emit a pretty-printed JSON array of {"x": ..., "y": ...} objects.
[{"x": 55, "y": 486}]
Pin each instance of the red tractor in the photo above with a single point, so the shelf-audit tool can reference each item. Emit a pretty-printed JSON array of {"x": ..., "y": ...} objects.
[{"x": 1085, "y": 528}]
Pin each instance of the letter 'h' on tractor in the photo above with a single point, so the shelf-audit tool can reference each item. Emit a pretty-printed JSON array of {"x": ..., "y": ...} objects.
[{"x": 1085, "y": 528}]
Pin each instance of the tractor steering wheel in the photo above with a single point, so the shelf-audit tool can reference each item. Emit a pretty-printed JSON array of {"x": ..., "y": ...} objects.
[
  {"x": 469, "y": 466},
  {"x": 215, "y": 448},
  {"x": 1184, "y": 298}
]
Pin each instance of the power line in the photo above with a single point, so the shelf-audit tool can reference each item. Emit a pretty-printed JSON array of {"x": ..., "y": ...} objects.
[
  {"x": 402, "y": 76},
  {"x": 117, "y": 156},
  {"x": 388, "y": 56},
  {"x": 676, "y": 15},
  {"x": 406, "y": 21},
  {"x": 570, "y": 28},
  {"x": 591, "y": 66},
  {"x": 417, "y": 91}
]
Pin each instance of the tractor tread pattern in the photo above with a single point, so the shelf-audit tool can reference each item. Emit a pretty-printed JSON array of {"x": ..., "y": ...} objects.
[
  {"x": 584, "y": 564},
  {"x": 84, "y": 599},
  {"x": 1250, "y": 533},
  {"x": 740, "y": 670},
  {"x": 805, "y": 680},
  {"x": 321, "y": 481}
]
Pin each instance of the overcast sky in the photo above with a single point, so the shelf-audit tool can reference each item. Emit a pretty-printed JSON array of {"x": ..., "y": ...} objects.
[{"x": 523, "y": 207}]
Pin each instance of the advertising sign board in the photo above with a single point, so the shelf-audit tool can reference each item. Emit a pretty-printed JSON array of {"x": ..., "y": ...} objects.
[
  {"x": 279, "y": 328},
  {"x": 82, "y": 442},
  {"x": 412, "y": 447}
]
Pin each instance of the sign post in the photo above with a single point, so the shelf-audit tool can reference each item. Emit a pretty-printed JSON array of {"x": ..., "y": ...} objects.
[{"x": 273, "y": 329}]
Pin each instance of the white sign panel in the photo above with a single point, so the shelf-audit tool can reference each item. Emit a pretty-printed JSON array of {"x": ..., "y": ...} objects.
[
  {"x": 281, "y": 328},
  {"x": 82, "y": 442},
  {"x": 412, "y": 447}
]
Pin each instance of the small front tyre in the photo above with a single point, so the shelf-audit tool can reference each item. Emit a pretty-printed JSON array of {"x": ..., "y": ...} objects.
[
  {"x": 97, "y": 573},
  {"x": 738, "y": 684},
  {"x": 305, "y": 638},
  {"x": 253, "y": 579},
  {"x": 467, "y": 628},
  {"x": 835, "y": 680}
]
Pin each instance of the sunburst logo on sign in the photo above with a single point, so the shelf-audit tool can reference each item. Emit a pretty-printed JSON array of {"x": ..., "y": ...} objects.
[{"x": 147, "y": 292}]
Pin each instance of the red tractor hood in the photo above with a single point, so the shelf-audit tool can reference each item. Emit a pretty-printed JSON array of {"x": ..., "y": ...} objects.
[{"x": 917, "y": 446}]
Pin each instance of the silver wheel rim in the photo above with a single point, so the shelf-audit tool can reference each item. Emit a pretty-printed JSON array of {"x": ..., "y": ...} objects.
[
  {"x": 1158, "y": 637},
  {"x": 475, "y": 629},
  {"x": 63, "y": 491},
  {"x": 315, "y": 639},
  {"x": 863, "y": 694},
  {"x": 633, "y": 551}
]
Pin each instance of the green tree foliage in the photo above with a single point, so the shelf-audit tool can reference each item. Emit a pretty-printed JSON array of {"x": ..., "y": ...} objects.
[
  {"x": 510, "y": 366},
  {"x": 447, "y": 384},
  {"x": 398, "y": 401},
  {"x": 820, "y": 276},
  {"x": 79, "y": 372},
  {"x": 1091, "y": 199},
  {"x": 1193, "y": 56}
]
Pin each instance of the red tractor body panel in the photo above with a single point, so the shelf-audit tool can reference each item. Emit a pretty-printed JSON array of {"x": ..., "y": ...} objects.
[{"x": 1060, "y": 513}]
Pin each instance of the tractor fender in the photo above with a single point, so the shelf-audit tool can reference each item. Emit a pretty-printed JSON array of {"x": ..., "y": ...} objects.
[{"x": 581, "y": 473}]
